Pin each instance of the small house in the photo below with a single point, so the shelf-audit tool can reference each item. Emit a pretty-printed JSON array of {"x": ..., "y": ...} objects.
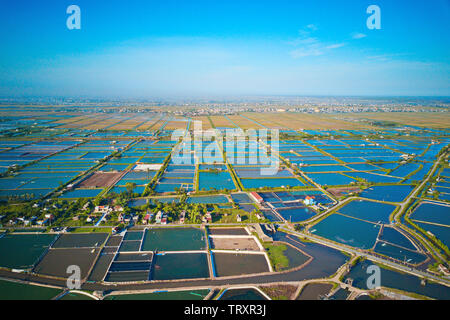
[
  {"x": 146, "y": 219},
  {"x": 309, "y": 201},
  {"x": 256, "y": 197}
]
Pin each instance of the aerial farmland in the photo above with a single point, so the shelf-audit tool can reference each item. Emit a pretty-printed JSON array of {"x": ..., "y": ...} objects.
[{"x": 128, "y": 196}]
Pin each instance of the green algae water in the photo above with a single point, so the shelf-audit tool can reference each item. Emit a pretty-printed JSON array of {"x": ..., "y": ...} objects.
[
  {"x": 20, "y": 291},
  {"x": 21, "y": 251},
  {"x": 163, "y": 295}
]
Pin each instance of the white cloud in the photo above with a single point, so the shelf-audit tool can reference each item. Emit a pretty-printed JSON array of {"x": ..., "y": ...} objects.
[
  {"x": 312, "y": 27},
  {"x": 335, "y": 46},
  {"x": 384, "y": 57},
  {"x": 358, "y": 35},
  {"x": 306, "y": 31},
  {"x": 303, "y": 41},
  {"x": 308, "y": 45},
  {"x": 306, "y": 52}
]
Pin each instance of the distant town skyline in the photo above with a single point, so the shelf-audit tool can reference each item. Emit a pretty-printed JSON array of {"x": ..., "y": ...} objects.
[{"x": 143, "y": 49}]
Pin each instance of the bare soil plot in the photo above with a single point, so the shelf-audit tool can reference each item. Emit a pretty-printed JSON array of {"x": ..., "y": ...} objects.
[
  {"x": 100, "y": 180},
  {"x": 157, "y": 125},
  {"x": 126, "y": 124},
  {"x": 421, "y": 119},
  {"x": 244, "y": 123},
  {"x": 153, "y": 124},
  {"x": 86, "y": 122},
  {"x": 102, "y": 124},
  {"x": 206, "y": 124},
  {"x": 339, "y": 192},
  {"x": 297, "y": 121},
  {"x": 70, "y": 120},
  {"x": 243, "y": 244},
  {"x": 173, "y": 125},
  {"x": 221, "y": 121},
  {"x": 146, "y": 125},
  {"x": 263, "y": 120}
]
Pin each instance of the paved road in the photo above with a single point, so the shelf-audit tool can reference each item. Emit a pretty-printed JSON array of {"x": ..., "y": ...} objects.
[{"x": 405, "y": 204}]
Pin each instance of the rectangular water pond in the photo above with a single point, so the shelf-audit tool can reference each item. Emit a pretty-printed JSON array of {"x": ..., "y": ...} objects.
[
  {"x": 56, "y": 261},
  {"x": 133, "y": 235},
  {"x": 128, "y": 276},
  {"x": 296, "y": 214},
  {"x": 130, "y": 246},
  {"x": 101, "y": 267},
  {"x": 440, "y": 232},
  {"x": 249, "y": 183},
  {"x": 80, "y": 240},
  {"x": 114, "y": 241},
  {"x": 130, "y": 266},
  {"x": 396, "y": 193},
  {"x": 430, "y": 212},
  {"x": 180, "y": 266},
  {"x": 21, "y": 251},
  {"x": 367, "y": 210},
  {"x": 81, "y": 193},
  {"x": 174, "y": 239},
  {"x": 232, "y": 264},
  {"x": 330, "y": 179},
  {"x": 349, "y": 231},
  {"x": 216, "y": 180},
  {"x": 241, "y": 198},
  {"x": 208, "y": 199}
]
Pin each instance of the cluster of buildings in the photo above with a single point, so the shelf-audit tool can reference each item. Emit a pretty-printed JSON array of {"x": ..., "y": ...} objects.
[
  {"x": 45, "y": 219},
  {"x": 104, "y": 212},
  {"x": 48, "y": 219}
]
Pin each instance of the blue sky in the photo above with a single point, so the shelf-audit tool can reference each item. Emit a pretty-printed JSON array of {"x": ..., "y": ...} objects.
[{"x": 144, "y": 49}]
